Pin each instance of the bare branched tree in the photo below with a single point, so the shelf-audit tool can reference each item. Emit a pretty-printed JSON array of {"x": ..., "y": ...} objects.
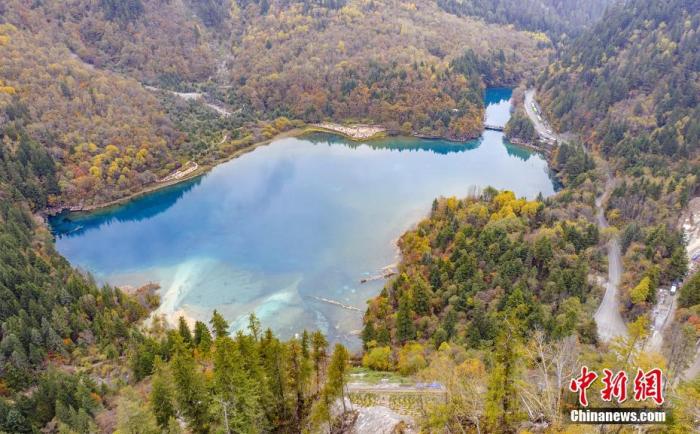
[{"x": 551, "y": 364}]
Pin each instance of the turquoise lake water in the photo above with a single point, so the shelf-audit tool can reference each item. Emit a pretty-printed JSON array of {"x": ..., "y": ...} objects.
[{"x": 301, "y": 219}]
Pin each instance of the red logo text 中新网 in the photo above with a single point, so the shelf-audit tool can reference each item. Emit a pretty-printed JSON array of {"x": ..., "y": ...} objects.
[{"x": 646, "y": 385}]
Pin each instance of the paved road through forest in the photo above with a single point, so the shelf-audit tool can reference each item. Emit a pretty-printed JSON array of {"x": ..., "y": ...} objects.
[
  {"x": 541, "y": 126},
  {"x": 607, "y": 317}
]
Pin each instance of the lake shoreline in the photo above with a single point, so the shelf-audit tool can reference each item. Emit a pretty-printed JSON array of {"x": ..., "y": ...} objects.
[
  {"x": 204, "y": 168},
  {"x": 201, "y": 170},
  {"x": 533, "y": 146},
  {"x": 353, "y": 132},
  {"x": 299, "y": 195}
]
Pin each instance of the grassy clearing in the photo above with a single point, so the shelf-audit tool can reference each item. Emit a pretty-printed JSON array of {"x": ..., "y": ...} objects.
[{"x": 369, "y": 376}]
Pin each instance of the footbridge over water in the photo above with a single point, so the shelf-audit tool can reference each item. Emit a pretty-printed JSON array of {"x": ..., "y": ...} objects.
[{"x": 493, "y": 127}]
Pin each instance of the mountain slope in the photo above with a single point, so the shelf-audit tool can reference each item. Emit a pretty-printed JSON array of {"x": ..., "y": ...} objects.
[
  {"x": 560, "y": 19},
  {"x": 630, "y": 88},
  {"x": 151, "y": 41},
  {"x": 77, "y": 70},
  {"x": 52, "y": 318},
  {"x": 472, "y": 264},
  {"x": 383, "y": 61}
]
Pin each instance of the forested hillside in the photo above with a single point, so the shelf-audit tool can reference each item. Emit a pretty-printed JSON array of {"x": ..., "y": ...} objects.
[
  {"x": 77, "y": 70},
  {"x": 476, "y": 273},
  {"x": 630, "y": 88},
  {"x": 494, "y": 299},
  {"x": 78, "y": 126},
  {"x": 151, "y": 41},
  {"x": 51, "y": 317},
  {"x": 104, "y": 131},
  {"x": 408, "y": 66},
  {"x": 478, "y": 264},
  {"x": 248, "y": 383},
  {"x": 494, "y": 295},
  {"x": 560, "y": 19}
]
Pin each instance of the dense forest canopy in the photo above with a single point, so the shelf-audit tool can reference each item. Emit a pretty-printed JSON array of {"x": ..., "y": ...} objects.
[
  {"x": 78, "y": 126},
  {"x": 250, "y": 382},
  {"x": 474, "y": 263},
  {"x": 50, "y": 315},
  {"x": 494, "y": 299},
  {"x": 404, "y": 65},
  {"x": 78, "y": 115},
  {"x": 637, "y": 72},
  {"x": 558, "y": 18},
  {"x": 67, "y": 346},
  {"x": 630, "y": 88}
]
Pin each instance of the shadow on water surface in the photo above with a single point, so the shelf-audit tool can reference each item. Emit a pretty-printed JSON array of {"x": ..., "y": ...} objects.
[{"x": 67, "y": 224}]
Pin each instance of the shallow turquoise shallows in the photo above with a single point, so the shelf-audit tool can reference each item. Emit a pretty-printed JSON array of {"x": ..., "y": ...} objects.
[{"x": 289, "y": 230}]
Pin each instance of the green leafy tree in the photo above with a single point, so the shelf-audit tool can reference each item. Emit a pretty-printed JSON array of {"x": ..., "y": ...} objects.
[
  {"x": 219, "y": 324},
  {"x": 254, "y": 326},
  {"x": 184, "y": 330},
  {"x": 337, "y": 374},
  {"x": 299, "y": 371},
  {"x": 639, "y": 293},
  {"x": 133, "y": 417},
  {"x": 236, "y": 393},
  {"x": 405, "y": 330},
  {"x": 274, "y": 365},
  {"x": 202, "y": 337},
  {"x": 689, "y": 294},
  {"x": 319, "y": 354},
  {"x": 411, "y": 358},
  {"x": 191, "y": 393},
  {"x": 162, "y": 398},
  {"x": 421, "y": 296},
  {"x": 378, "y": 358},
  {"x": 501, "y": 408}
]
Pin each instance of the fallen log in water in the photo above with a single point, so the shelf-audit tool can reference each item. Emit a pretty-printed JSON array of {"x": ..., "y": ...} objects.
[
  {"x": 337, "y": 303},
  {"x": 385, "y": 273}
]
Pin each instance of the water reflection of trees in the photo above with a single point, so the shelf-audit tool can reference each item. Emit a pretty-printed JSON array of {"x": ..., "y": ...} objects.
[
  {"x": 400, "y": 144},
  {"x": 152, "y": 204},
  {"x": 409, "y": 144},
  {"x": 497, "y": 95},
  {"x": 145, "y": 207},
  {"x": 516, "y": 151}
]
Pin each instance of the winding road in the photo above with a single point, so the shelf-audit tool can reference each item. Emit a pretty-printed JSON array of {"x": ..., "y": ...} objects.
[
  {"x": 607, "y": 317},
  {"x": 543, "y": 129}
]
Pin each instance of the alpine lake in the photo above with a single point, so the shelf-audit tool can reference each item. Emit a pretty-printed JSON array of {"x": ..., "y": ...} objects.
[{"x": 291, "y": 230}]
